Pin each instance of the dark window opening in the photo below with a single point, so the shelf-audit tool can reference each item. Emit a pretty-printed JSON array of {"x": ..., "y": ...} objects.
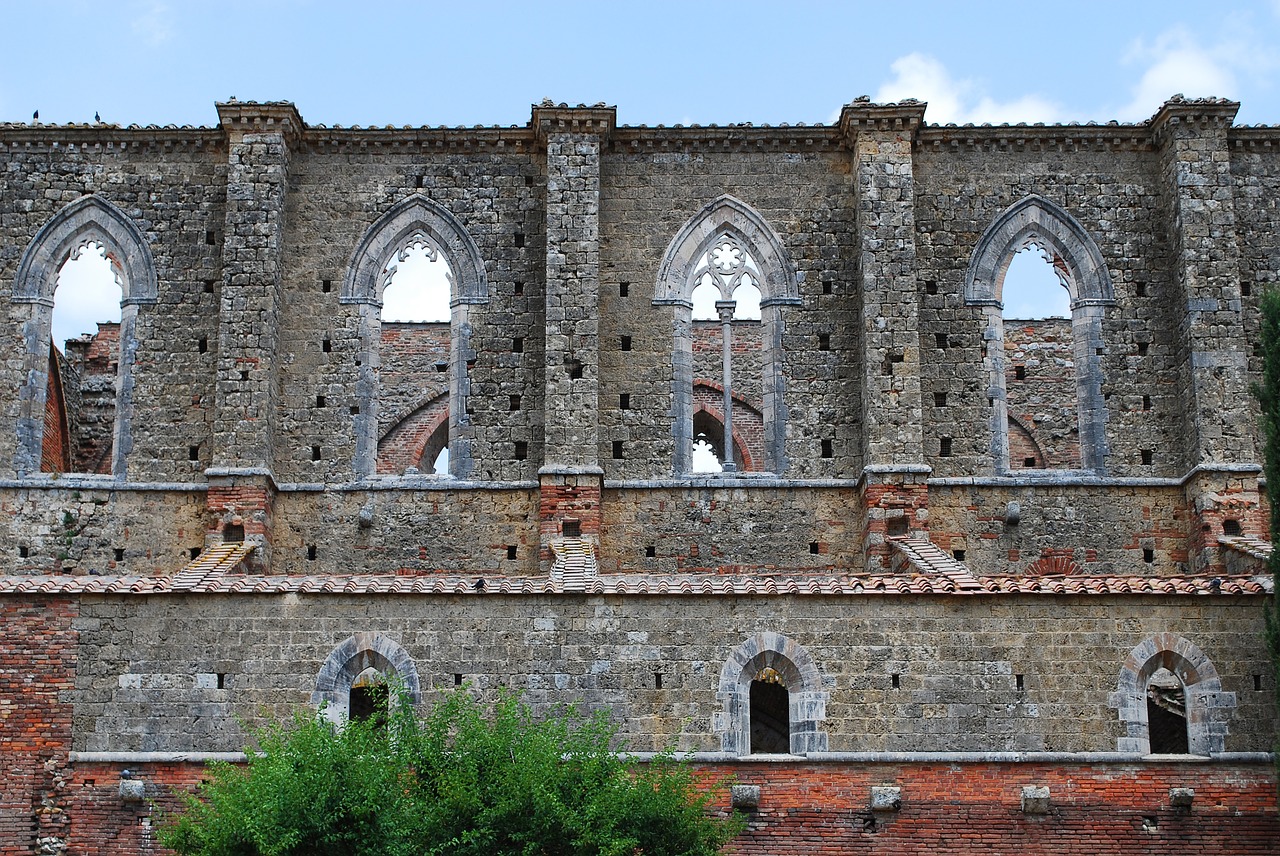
[
  {"x": 824, "y": 341},
  {"x": 194, "y": 552},
  {"x": 222, "y": 680},
  {"x": 203, "y": 345},
  {"x": 1148, "y": 556},
  {"x": 826, "y": 286},
  {"x": 1231, "y": 527},
  {"x": 1019, "y": 372},
  {"x": 519, "y": 239},
  {"x": 457, "y": 679},
  {"x": 119, "y": 554},
  {"x": 23, "y": 551},
  {"x": 233, "y": 533},
  {"x": 939, "y": 399},
  {"x": 518, "y": 289},
  {"x": 522, "y": 450},
  {"x": 326, "y": 346},
  {"x": 657, "y": 680},
  {"x": 571, "y": 528},
  {"x": 814, "y": 548},
  {"x": 354, "y": 410},
  {"x": 1167, "y": 714},
  {"x": 193, "y": 453},
  {"x": 511, "y": 551},
  {"x": 1141, "y": 289},
  {"x": 617, "y": 450},
  {"x": 1142, "y": 349},
  {"x": 1257, "y": 683},
  {"x": 624, "y": 401},
  {"x": 311, "y": 552},
  {"x": 930, "y": 286},
  {"x": 944, "y": 447},
  {"x": 211, "y": 238},
  {"x": 208, "y": 286},
  {"x": 315, "y": 453},
  {"x": 517, "y": 345},
  {"x": 244, "y": 374},
  {"x": 624, "y": 288},
  {"x": 320, "y": 401},
  {"x": 828, "y": 448},
  {"x": 940, "y": 339},
  {"x": 650, "y": 552},
  {"x": 1029, "y": 461},
  {"x": 368, "y": 703},
  {"x": 1245, "y": 289},
  {"x": 770, "y": 717},
  {"x": 575, "y": 370},
  {"x": 1146, "y": 402},
  {"x": 626, "y": 343},
  {"x": 1147, "y": 456},
  {"x": 958, "y": 555},
  {"x": 897, "y": 681},
  {"x": 326, "y": 285},
  {"x": 897, "y": 526},
  {"x": 1019, "y": 683},
  {"x": 513, "y": 402}
]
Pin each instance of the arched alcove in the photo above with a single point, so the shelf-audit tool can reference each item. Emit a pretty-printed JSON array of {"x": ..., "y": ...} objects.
[
  {"x": 89, "y": 221},
  {"x": 771, "y": 658},
  {"x": 1036, "y": 222},
  {"x": 415, "y": 224},
  {"x": 350, "y": 663},
  {"x": 725, "y": 246},
  {"x": 1206, "y": 708}
]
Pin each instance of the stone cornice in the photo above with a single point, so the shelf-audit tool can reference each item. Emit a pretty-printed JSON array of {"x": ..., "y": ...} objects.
[
  {"x": 903, "y": 118},
  {"x": 107, "y": 138},
  {"x": 1197, "y": 114},
  {"x": 1266, "y": 137},
  {"x": 724, "y": 138},
  {"x": 548, "y": 118},
  {"x": 1035, "y": 138},
  {"x": 238, "y": 118},
  {"x": 518, "y": 139}
]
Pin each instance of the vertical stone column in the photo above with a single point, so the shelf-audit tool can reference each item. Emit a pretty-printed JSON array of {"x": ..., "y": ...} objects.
[
  {"x": 725, "y": 309},
  {"x": 1222, "y": 484},
  {"x": 571, "y": 476},
  {"x": 241, "y": 486},
  {"x": 894, "y": 492}
]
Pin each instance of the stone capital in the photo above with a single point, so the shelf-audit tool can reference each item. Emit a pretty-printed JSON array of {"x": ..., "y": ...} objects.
[
  {"x": 548, "y": 118},
  {"x": 238, "y": 118},
  {"x": 1191, "y": 115},
  {"x": 903, "y": 119}
]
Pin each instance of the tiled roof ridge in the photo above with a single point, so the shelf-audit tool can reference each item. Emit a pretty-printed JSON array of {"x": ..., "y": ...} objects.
[
  {"x": 926, "y": 557},
  {"x": 1250, "y": 545},
  {"x": 217, "y": 582}
]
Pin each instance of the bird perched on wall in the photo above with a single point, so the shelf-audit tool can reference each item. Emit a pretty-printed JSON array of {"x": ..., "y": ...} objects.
[
  {"x": 35, "y": 117},
  {"x": 96, "y": 117}
]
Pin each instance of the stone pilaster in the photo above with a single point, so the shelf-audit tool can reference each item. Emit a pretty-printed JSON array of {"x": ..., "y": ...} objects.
[
  {"x": 571, "y": 476},
  {"x": 1191, "y": 137},
  {"x": 259, "y": 136},
  {"x": 881, "y": 137}
]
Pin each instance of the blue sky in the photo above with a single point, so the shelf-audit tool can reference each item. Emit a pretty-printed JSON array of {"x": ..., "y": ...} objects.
[
  {"x": 468, "y": 63},
  {"x": 430, "y": 63}
]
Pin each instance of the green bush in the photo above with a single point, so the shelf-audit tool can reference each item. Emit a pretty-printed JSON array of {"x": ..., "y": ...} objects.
[{"x": 457, "y": 783}]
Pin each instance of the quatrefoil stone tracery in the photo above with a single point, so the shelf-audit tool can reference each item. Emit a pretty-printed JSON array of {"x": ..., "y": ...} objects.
[{"x": 726, "y": 265}]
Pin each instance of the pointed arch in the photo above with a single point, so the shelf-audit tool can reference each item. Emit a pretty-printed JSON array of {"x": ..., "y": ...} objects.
[
  {"x": 1080, "y": 266},
  {"x": 727, "y": 215},
  {"x": 775, "y": 276},
  {"x": 352, "y": 657},
  {"x": 1208, "y": 708},
  {"x": 414, "y": 218},
  {"x": 88, "y": 220},
  {"x": 795, "y": 670}
]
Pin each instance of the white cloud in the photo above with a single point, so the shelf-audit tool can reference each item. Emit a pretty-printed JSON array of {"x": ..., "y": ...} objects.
[
  {"x": 1177, "y": 63},
  {"x": 921, "y": 76},
  {"x": 153, "y": 23}
]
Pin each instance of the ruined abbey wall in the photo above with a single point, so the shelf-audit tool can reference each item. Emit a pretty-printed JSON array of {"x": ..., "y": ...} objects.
[{"x": 929, "y": 600}]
